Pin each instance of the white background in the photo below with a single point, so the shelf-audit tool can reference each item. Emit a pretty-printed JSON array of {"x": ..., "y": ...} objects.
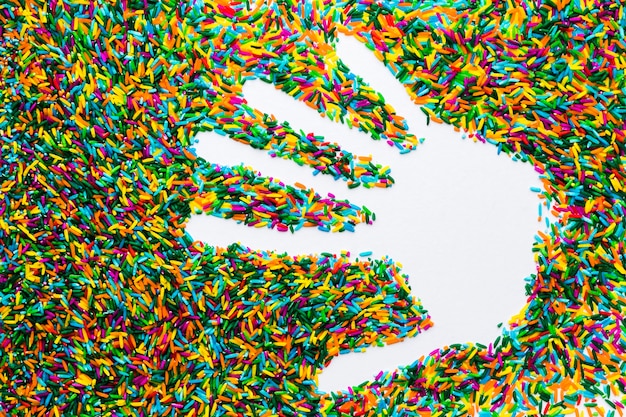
[{"x": 460, "y": 219}]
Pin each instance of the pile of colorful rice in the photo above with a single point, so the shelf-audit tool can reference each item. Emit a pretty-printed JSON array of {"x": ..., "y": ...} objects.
[{"x": 108, "y": 307}]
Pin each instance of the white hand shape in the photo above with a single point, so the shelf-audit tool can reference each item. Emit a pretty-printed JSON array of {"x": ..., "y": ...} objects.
[{"x": 460, "y": 219}]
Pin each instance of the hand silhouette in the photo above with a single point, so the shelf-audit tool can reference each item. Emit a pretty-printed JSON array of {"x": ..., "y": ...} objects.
[{"x": 459, "y": 218}]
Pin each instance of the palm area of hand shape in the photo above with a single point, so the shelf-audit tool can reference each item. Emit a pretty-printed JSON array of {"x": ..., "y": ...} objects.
[{"x": 434, "y": 196}]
